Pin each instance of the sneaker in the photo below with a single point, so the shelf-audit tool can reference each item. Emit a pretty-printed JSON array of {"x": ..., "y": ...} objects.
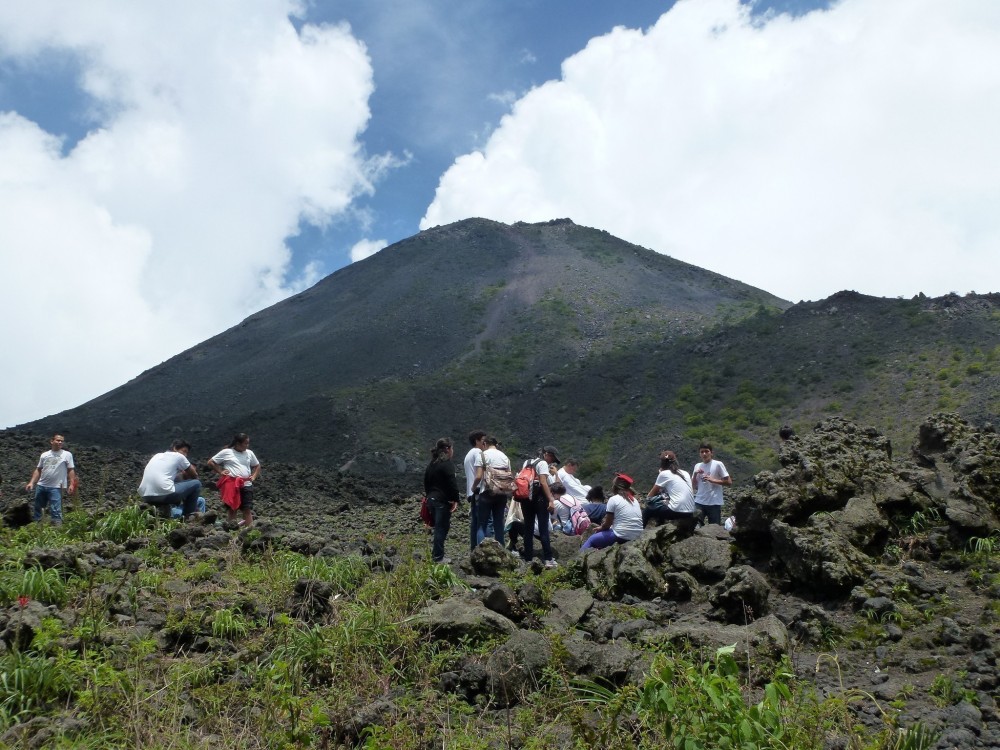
[
  {"x": 550, "y": 564},
  {"x": 443, "y": 561}
]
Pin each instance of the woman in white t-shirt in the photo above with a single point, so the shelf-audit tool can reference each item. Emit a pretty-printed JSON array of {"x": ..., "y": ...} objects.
[
  {"x": 623, "y": 518},
  {"x": 237, "y": 468},
  {"x": 671, "y": 496}
]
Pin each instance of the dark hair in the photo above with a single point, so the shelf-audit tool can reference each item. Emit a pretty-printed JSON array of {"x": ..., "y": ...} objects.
[
  {"x": 623, "y": 486},
  {"x": 706, "y": 445},
  {"x": 571, "y": 462},
  {"x": 786, "y": 432},
  {"x": 490, "y": 440},
  {"x": 440, "y": 448},
  {"x": 596, "y": 493},
  {"x": 239, "y": 437},
  {"x": 668, "y": 461},
  {"x": 180, "y": 444},
  {"x": 475, "y": 436}
]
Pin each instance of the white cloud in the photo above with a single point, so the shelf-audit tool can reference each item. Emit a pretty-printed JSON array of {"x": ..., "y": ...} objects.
[
  {"x": 366, "y": 248},
  {"x": 852, "y": 148},
  {"x": 219, "y": 129}
]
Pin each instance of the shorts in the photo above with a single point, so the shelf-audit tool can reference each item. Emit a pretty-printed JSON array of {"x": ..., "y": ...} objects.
[{"x": 246, "y": 498}]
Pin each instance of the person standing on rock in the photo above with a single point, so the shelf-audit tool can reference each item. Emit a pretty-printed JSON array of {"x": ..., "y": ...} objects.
[
  {"x": 170, "y": 479},
  {"x": 237, "y": 468},
  {"x": 490, "y": 507},
  {"x": 539, "y": 506},
  {"x": 441, "y": 490},
  {"x": 474, "y": 458},
  {"x": 54, "y": 473},
  {"x": 708, "y": 479}
]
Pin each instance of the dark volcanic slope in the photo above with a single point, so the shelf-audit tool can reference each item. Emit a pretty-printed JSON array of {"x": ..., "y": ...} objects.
[
  {"x": 551, "y": 333},
  {"x": 528, "y": 298}
]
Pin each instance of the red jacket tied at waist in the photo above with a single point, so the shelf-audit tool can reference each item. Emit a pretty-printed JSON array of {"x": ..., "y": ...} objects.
[{"x": 229, "y": 489}]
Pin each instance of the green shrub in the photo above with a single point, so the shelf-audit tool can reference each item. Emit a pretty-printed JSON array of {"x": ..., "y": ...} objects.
[
  {"x": 28, "y": 681},
  {"x": 702, "y": 707},
  {"x": 230, "y": 625},
  {"x": 121, "y": 525},
  {"x": 44, "y": 584}
]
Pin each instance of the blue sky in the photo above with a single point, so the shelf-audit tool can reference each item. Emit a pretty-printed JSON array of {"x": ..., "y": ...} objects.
[{"x": 167, "y": 171}]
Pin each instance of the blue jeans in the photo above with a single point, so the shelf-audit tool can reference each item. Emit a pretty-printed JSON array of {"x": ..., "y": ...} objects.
[
  {"x": 536, "y": 510},
  {"x": 442, "y": 523},
  {"x": 490, "y": 510},
  {"x": 185, "y": 494},
  {"x": 474, "y": 538},
  {"x": 176, "y": 511},
  {"x": 51, "y": 497}
]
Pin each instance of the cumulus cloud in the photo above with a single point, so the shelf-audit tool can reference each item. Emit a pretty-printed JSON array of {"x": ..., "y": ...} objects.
[
  {"x": 848, "y": 148},
  {"x": 366, "y": 248},
  {"x": 216, "y": 131}
]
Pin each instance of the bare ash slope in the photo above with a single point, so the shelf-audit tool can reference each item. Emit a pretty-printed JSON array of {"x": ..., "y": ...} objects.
[{"x": 411, "y": 314}]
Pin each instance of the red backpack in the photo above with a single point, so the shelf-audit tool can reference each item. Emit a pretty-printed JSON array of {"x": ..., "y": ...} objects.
[{"x": 525, "y": 481}]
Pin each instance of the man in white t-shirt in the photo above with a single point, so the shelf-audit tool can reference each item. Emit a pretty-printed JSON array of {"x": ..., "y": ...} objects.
[
  {"x": 54, "y": 473},
  {"x": 170, "y": 479},
  {"x": 708, "y": 479},
  {"x": 474, "y": 458},
  {"x": 574, "y": 487}
]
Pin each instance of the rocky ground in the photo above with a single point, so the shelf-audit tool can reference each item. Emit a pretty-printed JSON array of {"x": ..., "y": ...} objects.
[{"x": 878, "y": 576}]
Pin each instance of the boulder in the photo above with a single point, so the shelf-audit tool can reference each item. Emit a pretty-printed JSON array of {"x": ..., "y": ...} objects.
[
  {"x": 825, "y": 564},
  {"x": 462, "y": 618},
  {"x": 705, "y": 558},
  {"x": 743, "y": 595},
  {"x": 500, "y": 598},
  {"x": 515, "y": 669},
  {"x": 619, "y": 570},
  {"x": 763, "y": 641},
  {"x": 490, "y": 559},
  {"x": 311, "y": 600},
  {"x": 569, "y": 607},
  {"x": 607, "y": 663},
  {"x": 860, "y": 523}
]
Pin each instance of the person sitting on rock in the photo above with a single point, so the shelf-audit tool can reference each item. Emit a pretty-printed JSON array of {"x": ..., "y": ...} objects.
[
  {"x": 565, "y": 507},
  {"x": 671, "y": 495},
  {"x": 170, "y": 479},
  {"x": 596, "y": 504},
  {"x": 567, "y": 475},
  {"x": 623, "y": 519}
]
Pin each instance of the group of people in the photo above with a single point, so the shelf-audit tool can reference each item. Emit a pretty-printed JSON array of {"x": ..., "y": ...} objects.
[
  {"x": 169, "y": 483},
  {"x": 559, "y": 500}
]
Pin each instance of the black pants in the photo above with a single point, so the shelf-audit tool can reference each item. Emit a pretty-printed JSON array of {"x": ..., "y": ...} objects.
[
  {"x": 661, "y": 514},
  {"x": 442, "y": 523},
  {"x": 536, "y": 510}
]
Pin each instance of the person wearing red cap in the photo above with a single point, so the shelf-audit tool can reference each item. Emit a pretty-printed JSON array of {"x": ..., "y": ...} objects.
[{"x": 623, "y": 519}]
